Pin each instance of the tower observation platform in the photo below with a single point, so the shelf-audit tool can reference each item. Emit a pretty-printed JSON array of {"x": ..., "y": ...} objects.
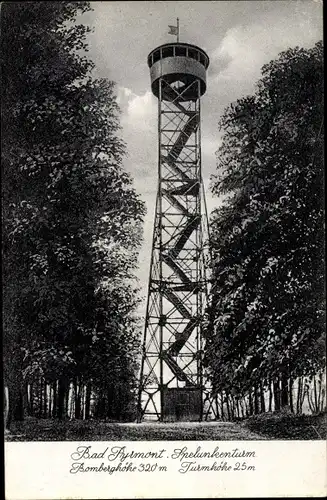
[
  {"x": 178, "y": 62},
  {"x": 172, "y": 380}
]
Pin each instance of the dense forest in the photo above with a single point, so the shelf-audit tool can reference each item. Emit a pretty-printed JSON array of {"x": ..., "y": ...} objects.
[
  {"x": 72, "y": 224},
  {"x": 266, "y": 333}
]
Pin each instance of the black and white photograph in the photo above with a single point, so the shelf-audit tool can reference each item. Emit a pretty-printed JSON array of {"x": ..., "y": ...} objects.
[{"x": 163, "y": 269}]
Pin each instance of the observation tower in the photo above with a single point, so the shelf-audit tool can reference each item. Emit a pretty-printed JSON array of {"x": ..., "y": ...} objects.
[{"x": 172, "y": 380}]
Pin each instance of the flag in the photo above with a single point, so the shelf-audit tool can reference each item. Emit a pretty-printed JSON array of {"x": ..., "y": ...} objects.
[{"x": 173, "y": 30}]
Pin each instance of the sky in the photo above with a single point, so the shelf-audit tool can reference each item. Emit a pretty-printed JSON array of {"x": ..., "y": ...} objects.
[{"x": 239, "y": 37}]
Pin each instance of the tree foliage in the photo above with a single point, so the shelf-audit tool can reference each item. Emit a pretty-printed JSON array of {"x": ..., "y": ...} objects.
[
  {"x": 267, "y": 314},
  {"x": 71, "y": 217}
]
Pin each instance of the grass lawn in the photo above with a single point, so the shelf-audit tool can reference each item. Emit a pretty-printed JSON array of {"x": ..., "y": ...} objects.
[
  {"x": 78, "y": 430},
  {"x": 289, "y": 426},
  {"x": 265, "y": 426}
]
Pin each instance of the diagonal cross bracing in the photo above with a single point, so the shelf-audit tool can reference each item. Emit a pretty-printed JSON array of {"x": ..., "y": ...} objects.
[
  {"x": 177, "y": 286},
  {"x": 183, "y": 137},
  {"x": 184, "y": 235},
  {"x": 176, "y": 268},
  {"x": 177, "y": 302},
  {"x": 173, "y": 165},
  {"x": 175, "y": 368},
  {"x": 175, "y": 202},
  {"x": 182, "y": 338}
]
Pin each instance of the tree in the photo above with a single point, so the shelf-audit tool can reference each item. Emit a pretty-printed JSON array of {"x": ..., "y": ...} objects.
[
  {"x": 266, "y": 319},
  {"x": 71, "y": 217}
]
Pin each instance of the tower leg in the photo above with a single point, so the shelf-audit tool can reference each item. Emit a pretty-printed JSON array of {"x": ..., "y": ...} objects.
[{"x": 172, "y": 379}]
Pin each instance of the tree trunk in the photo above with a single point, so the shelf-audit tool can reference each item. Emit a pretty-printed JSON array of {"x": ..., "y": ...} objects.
[
  {"x": 291, "y": 395},
  {"x": 77, "y": 395},
  {"x": 88, "y": 400},
  {"x": 222, "y": 405},
  {"x": 299, "y": 395},
  {"x": 315, "y": 393},
  {"x": 16, "y": 409},
  {"x": 18, "y": 413},
  {"x": 310, "y": 400},
  {"x": 234, "y": 407},
  {"x": 31, "y": 400},
  {"x": 256, "y": 400},
  {"x": 62, "y": 390},
  {"x": 238, "y": 409},
  {"x": 319, "y": 395},
  {"x": 262, "y": 399},
  {"x": 242, "y": 408},
  {"x": 83, "y": 402},
  {"x": 231, "y": 406},
  {"x": 41, "y": 398},
  {"x": 246, "y": 406},
  {"x": 45, "y": 400},
  {"x": 18, "y": 400},
  {"x": 284, "y": 390},
  {"x": 228, "y": 409},
  {"x": 250, "y": 403},
  {"x": 50, "y": 401},
  {"x": 270, "y": 396},
  {"x": 54, "y": 403},
  {"x": 303, "y": 393},
  {"x": 6, "y": 406},
  {"x": 110, "y": 406},
  {"x": 276, "y": 394},
  {"x": 101, "y": 407},
  {"x": 67, "y": 394}
]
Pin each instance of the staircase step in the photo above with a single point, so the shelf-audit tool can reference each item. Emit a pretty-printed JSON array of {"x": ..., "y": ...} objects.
[
  {"x": 184, "y": 236},
  {"x": 182, "y": 338},
  {"x": 175, "y": 202},
  {"x": 177, "y": 302},
  {"x": 173, "y": 165},
  {"x": 183, "y": 137},
  {"x": 189, "y": 188},
  {"x": 176, "y": 268},
  {"x": 177, "y": 370}
]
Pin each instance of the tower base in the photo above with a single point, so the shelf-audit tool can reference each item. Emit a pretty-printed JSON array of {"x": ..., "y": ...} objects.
[{"x": 182, "y": 404}]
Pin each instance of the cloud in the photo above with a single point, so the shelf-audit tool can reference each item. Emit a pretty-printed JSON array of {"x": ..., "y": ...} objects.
[
  {"x": 237, "y": 61},
  {"x": 209, "y": 146},
  {"x": 142, "y": 107},
  {"x": 139, "y": 112},
  {"x": 123, "y": 95},
  {"x": 139, "y": 130}
]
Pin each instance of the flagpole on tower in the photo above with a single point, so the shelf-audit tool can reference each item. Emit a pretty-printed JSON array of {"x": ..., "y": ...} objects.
[{"x": 174, "y": 30}]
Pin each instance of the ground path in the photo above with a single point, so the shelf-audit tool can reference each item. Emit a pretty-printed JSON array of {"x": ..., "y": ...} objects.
[
  {"x": 218, "y": 431},
  {"x": 48, "y": 430}
]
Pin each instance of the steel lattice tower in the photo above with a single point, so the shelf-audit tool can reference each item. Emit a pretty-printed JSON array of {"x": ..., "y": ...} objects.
[{"x": 172, "y": 384}]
